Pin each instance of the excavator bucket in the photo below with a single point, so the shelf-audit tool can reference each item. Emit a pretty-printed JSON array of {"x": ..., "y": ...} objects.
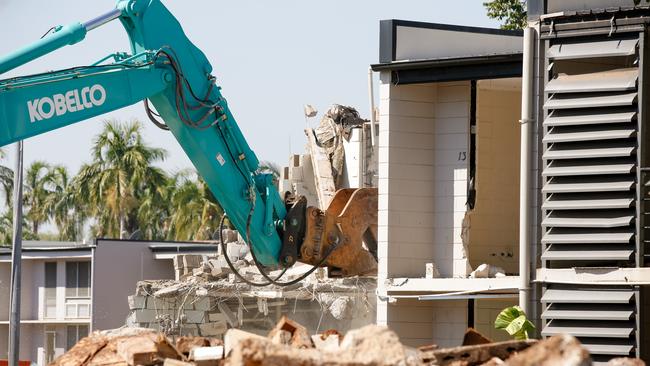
[{"x": 345, "y": 234}]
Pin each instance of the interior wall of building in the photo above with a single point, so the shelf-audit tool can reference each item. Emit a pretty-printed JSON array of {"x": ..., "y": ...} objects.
[
  {"x": 485, "y": 312},
  {"x": 419, "y": 323},
  {"x": 494, "y": 222},
  {"x": 423, "y": 162}
]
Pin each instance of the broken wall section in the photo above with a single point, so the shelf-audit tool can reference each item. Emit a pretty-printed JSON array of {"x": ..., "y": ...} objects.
[{"x": 209, "y": 302}]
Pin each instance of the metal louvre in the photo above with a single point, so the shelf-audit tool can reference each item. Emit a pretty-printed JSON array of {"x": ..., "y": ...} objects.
[
  {"x": 595, "y": 100},
  {"x": 589, "y": 117},
  {"x": 589, "y": 143},
  {"x": 603, "y": 319},
  {"x": 580, "y": 50},
  {"x": 589, "y": 152},
  {"x": 575, "y": 253},
  {"x": 614, "y": 80}
]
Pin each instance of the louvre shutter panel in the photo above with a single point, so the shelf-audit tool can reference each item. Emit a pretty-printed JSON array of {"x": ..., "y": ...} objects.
[{"x": 589, "y": 157}]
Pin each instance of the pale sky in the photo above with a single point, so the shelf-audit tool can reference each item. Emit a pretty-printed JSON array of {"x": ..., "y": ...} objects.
[{"x": 270, "y": 57}]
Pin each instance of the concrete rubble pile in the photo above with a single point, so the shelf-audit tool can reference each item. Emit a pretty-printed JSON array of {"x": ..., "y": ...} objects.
[
  {"x": 207, "y": 299},
  {"x": 289, "y": 343}
]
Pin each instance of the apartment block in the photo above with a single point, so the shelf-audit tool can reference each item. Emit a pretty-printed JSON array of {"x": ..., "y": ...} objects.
[{"x": 71, "y": 289}]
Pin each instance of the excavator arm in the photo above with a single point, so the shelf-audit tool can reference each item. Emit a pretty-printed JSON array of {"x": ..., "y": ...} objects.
[{"x": 167, "y": 69}]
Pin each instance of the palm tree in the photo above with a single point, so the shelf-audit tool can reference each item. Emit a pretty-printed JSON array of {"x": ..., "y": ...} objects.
[
  {"x": 6, "y": 179},
  {"x": 38, "y": 186},
  {"x": 119, "y": 177},
  {"x": 65, "y": 206},
  {"x": 195, "y": 211}
]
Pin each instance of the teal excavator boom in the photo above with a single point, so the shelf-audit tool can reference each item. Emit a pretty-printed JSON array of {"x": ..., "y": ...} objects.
[{"x": 165, "y": 69}]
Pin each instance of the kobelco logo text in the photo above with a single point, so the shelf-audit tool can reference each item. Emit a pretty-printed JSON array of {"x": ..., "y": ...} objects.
[{"x": 71, "y": 101}]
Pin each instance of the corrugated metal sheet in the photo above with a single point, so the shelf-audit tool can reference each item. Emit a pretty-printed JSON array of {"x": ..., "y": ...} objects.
[
  {"x": 571, "y": 101},
  {"x": 611, "y": 80},
  {"x": 589, "y": 117},
  {"x": 579, "y": 50}
]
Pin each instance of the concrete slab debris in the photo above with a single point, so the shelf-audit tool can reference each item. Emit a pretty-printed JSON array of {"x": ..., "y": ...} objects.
[{"x": 368, "y": 346}]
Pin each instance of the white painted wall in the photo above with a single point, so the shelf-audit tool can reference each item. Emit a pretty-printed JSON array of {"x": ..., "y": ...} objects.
[{"x": 423, "y": 161}]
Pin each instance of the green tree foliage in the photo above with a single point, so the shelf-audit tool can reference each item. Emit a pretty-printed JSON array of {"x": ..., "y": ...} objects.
[
  {"x": 120, "y": 176},
  {"x": 513, "y": 320},
  {"x": 121, "y": 193},
  {"x": 195, "y": 211},
  {"x": 511, "y": 13},
  {"x": 37, "y": 186}
]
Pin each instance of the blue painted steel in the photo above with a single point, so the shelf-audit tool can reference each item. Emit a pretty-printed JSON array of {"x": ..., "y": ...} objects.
[{"x": 219, "y": 151}]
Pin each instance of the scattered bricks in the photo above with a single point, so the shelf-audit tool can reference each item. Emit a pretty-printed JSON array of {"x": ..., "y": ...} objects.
[
  {"x": 199, "y": 354},
  {"x": 144, "y": 316},
  {"x": 194, "y": 316},
  {"x": 299, "y": 335},
  {"x": 191, "y": 261},
  {"x": 234, "y": 336},
  {"x": 106, "y": 356},
  {"x": 217, "y": 317},
  {"x": 189, "y": 330},
  {"x": 140, "y": 350},
  {"x": 557, "y": 350},
  {"x": 202, "y": 303},
  {"x": 281, "y": 337},
  {"x": 213, "y": 329},
  {"x": 625, "y": 361},
  {"x": 474, "y": 337},
  {"x": 158, "y": 304},
  {"x": 330, "y": 343},
  {"x": 230, "y": 316},
  {"x": 185, "y": 344},
  {"x": 173, "y": 362},
  {"x": 137, "y": 302},
  {"x": 81, "y": 352},
  {"x": 474, "y": 355}
]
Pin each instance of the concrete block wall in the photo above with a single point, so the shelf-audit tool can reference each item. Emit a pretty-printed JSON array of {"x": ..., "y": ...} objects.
[
  {"x": 494, "y": 221},
  {"x": 423, "y": 142},
  {"x": 421, "y": 323},
  {"x": 423, "y": 160},
  {"x": 298, "y": 178}
]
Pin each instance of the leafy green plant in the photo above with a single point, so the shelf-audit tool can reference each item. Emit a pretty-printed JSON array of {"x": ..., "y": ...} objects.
[{"x": 513, "y": 320}]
